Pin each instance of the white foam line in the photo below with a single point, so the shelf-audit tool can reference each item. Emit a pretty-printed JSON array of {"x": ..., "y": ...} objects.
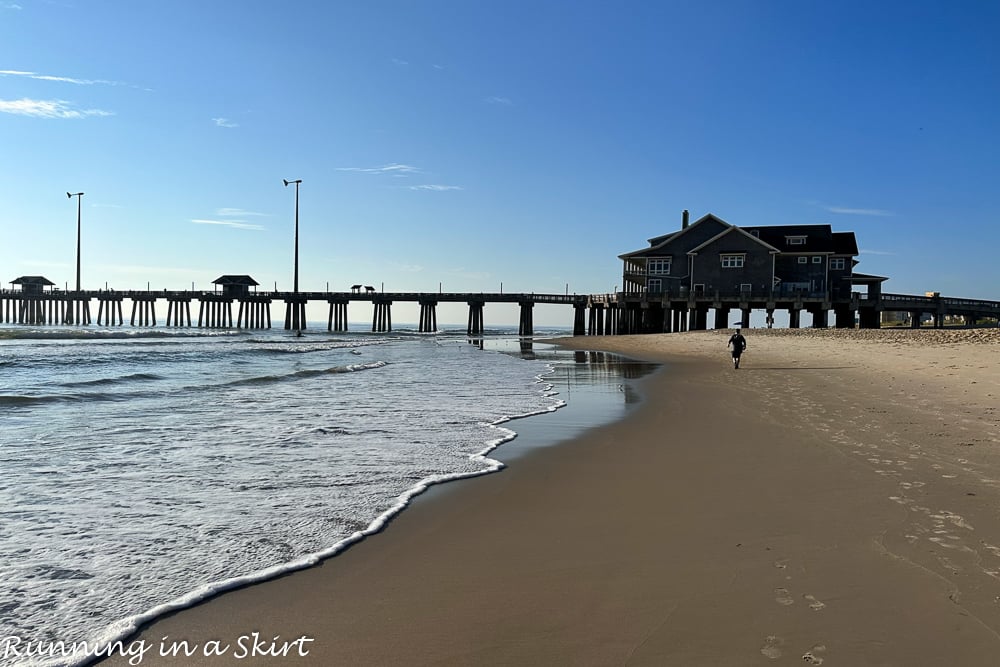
[{"x": 123, "y": 629}]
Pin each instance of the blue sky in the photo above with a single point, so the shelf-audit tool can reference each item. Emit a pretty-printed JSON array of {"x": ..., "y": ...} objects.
[{"x": 469, "y": 144}]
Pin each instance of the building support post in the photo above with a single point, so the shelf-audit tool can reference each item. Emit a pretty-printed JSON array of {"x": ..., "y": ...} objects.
[{"x": 722, "y": 317}]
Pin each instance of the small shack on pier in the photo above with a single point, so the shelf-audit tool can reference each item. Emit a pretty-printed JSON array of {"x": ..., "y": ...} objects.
[
  {"x": 32, "y": 284},
  {"x": 235, "y": 286}
]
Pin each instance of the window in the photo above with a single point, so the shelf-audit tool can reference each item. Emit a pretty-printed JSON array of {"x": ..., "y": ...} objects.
[
  {"x": 654, "y": 285},
  {"x": 732, "y": 261},
  {"x": 817, "y": 260},
  {"x": 659, "y": 266},
  {"x": 795, "y": 240},
  {"x": 755, "y": 232},
  {"x": 837, "y": 264},
  {"x": 803, "y": 260},
  {"x": 745, "y": 288}
]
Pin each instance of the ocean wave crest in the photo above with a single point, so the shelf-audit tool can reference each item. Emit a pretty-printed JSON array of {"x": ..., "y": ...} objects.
[
  {"x": 108, "y": 334},
  {"x": 133, "y": 377},
  {"x": 307, "y": 373}
]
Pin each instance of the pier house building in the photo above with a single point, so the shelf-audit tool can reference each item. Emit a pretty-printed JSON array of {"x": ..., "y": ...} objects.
[{"x": 710, "y": 264}]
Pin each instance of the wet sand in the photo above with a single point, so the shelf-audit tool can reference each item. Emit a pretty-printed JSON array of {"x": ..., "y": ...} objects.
[{"x": 835, "y": 500}]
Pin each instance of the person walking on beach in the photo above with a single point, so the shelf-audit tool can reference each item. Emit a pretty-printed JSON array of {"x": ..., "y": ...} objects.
[{"x": 738, "y": 343}]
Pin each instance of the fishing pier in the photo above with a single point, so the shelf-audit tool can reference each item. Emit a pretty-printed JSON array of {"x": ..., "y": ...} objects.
[
  {"x": 593, "y": 314},
  {"x": 253, "y": 310}
]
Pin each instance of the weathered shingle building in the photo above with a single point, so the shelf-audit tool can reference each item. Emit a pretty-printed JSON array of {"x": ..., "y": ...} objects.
[
  {"x": 711, "y": 263},
  {"x": 711, "y": 256}
]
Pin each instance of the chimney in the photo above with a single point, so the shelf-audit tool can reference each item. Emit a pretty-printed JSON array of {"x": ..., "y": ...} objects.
[{"x": 684, "y": 219}]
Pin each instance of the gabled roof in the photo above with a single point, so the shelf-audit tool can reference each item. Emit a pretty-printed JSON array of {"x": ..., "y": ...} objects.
[
  {"x": 32, "y": 280},
  {"x": 819, "y": 238},
  {"x": 236, "y": 280},
  {"x": 657, "y": 240},
  {"x": 663, "y": 240},
  {"x": 734, "y": 230}
]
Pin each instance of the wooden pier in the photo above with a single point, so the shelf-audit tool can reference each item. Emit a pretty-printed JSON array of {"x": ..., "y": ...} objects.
[{"x": 595, "y": 314}]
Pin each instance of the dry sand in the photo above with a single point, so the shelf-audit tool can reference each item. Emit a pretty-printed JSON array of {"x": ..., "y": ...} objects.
[{"x": 835, "y": 501}]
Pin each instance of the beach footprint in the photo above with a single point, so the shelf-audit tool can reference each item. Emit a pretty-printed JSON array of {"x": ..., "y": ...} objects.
[
  {"x": 812, "y": 656},
  {"x": 814, "y": 604},
  {"x": 772, "y": 647},
  {"x": 783, "y": 597}
]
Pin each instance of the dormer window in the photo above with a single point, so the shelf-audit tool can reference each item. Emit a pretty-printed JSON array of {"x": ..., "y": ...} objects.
[
  {"x": 755, "y": 232},
  {"x": 795, "y": 240}
]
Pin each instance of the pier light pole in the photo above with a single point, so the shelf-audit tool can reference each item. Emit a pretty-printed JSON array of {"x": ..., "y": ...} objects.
[
  {"x": 295, "y": 284},
  {"x": 79, "y": 199}
]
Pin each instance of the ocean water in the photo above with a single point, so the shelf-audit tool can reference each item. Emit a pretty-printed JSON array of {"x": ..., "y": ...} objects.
[{"x": 142, "y": 470}]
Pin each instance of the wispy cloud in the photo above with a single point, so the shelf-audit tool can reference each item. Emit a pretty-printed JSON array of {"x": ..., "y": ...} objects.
[
  {"x": 877, "y": 212},
  {"x": 874, "y": 252},
  {"x": 499, "y": 100},
  {"x": 9, "y": 5},
  {"x": 397, "y": 61},
  {"x": 237, "y": 224},
  {"x": 395, "y": 169},
  {"x": 48, "y": 109},
  {"x": 435, "y": 188},
  {"x": 224, "y": 122},
  {"x": 238, "y": 212},
  {"x": 60, "y": 79}
]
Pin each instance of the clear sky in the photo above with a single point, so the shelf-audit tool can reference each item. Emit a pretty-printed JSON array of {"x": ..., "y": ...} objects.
[{"x": 465, "y": 144}]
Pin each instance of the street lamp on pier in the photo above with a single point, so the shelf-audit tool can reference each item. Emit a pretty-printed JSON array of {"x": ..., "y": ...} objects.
[
  {"x": 79, "y": 199},
  {"x": 295, "y": 286},
  {"x": 296, "y": 307}
]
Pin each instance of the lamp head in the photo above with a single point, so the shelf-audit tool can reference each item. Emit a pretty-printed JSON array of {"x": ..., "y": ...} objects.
[
  {"x": 69, "y": 196},
  {"x": 285, "y": 181}
]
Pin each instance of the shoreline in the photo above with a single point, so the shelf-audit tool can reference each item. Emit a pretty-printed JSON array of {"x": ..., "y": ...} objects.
[
  {"x": 514, "y": 436},
  {"x": 778, "y": 525}
]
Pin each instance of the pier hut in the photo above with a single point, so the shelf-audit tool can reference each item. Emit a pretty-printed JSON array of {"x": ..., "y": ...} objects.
[
  {"x": 235, "y": 287},
  {"x": 254, "y": 310},
  {"x": 33, "y": 284},
  {"x": 31, "y": 304}
]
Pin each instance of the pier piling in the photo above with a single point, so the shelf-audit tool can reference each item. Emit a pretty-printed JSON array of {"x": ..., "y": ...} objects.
[
  {"x": 338, "y": 315},
  {"x": 475, "y": 326},
  {"x": 428, "y": 317}
]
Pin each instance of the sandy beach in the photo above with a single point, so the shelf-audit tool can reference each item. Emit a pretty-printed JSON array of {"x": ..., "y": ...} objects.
[{"x": 834, "y": 501}]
